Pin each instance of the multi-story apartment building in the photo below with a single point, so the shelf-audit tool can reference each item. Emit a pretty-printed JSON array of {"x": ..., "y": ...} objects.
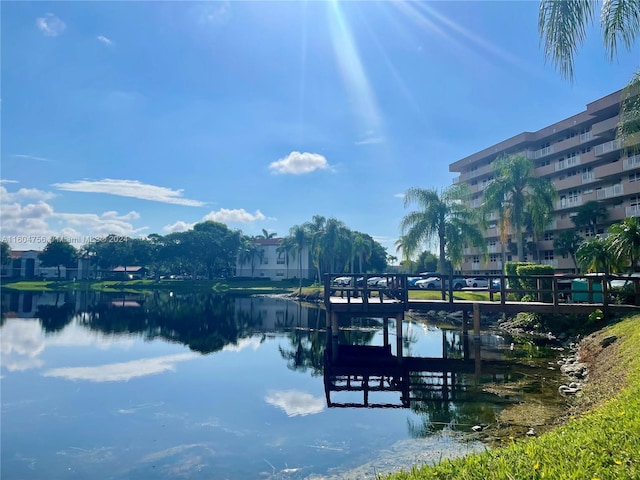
[{"x": 582, "y": 158}]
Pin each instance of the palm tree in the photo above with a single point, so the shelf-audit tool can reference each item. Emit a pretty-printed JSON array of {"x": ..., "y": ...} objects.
[
  {"x": 589, "y": 215},
  {"x": 567, "y": 243},
  {"x": 563, "y": 26},
  {"x": 361, "y": 249},
  {"x": 443, "y": 217},
  {"x": 595, "y": 255},
  {"x": 624, "y": 241},
  {"x": 514, "y": 191},
  {"x": 266, "y": 235},
  {"x": 299, "y": 236},
  {"x": 287, "y": 248}
]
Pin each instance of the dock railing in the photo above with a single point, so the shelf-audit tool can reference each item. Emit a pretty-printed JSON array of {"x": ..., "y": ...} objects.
[{"x": 595, "y": 289}]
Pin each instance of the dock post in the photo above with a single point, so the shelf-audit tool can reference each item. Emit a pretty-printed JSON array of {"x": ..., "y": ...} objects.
[
  {"x": 399, "y": 340},
  {"x": 465, "y": 322},
  {"x": 334, "y": 336},
  {"x": 476, "y": 319},
  {"x": 385, "y": 330}
]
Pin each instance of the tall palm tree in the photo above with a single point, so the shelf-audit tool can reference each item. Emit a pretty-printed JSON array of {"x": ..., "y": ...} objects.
[
  {"x": 514, "y": 191},
  {"x": 563, "y": 27},
  {"x": 624, "y": 240},
  {"x": 300, "y": 238},
  {"x": 361, "y": 250},
  {"x": 567, "y": 243},
  {"x": 287, "y": 247},
  {"x": 589, "y": 215},
  {"x": 442, "y": 217}
]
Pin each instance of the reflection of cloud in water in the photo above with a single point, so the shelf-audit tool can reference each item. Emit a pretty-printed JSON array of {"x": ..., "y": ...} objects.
[
  {"x": 295, "y": 403},
  {"x": 253, "y": 343},
  {"x": 21, "y": 341},
  {"x": 121, "y": 372}
]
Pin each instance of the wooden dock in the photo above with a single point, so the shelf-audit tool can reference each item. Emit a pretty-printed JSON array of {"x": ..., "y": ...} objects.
[{"x": 394, "y": 298}]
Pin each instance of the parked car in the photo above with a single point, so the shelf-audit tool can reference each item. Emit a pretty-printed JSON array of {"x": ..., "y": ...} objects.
[
  {"x": 411, "y": 281},
  {"x": 373, "y": 281},
  {"x": 477, "y": 282},
  {"x": 347, "y": 281},
  {"x": 434, "y": 283},
  {"x": 342, "y": 281}
]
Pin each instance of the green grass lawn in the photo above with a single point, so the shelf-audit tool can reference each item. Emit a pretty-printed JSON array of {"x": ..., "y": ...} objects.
[{"x": 603, "y": 443}]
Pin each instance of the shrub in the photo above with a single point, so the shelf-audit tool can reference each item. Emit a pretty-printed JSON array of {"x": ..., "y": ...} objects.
[{"x": 530, "y": 285}]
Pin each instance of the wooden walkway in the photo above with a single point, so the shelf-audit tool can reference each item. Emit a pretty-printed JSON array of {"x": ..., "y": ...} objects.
[{"x": 394, "y": 298}]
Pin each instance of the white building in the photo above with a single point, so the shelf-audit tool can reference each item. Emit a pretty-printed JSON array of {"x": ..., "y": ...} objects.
[{"x": 269, "y": 263}]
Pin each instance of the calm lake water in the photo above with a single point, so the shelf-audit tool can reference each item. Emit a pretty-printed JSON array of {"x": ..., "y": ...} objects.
[{"x": 101, "y": 386}]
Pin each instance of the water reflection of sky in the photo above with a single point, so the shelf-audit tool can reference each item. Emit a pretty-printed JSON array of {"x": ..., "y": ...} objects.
[{"x": 80, "y": 403}]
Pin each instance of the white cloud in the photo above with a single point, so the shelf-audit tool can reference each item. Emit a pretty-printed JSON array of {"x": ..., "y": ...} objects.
[
  {"x": 179, "y": 226},
  {"x": 105, "y": 40},
  {"x": 23, "y": 194},
  {"x": 26, "y": 213},
  {"x": 50, "y": 25},
  {"x": 297, "y": 163},
  {"x": 4, "y": 180},
  {"x": 399, "y": 195},
  {"x": 295, "y": 403},
  {"x": 224, "y": 215},
  {"x": 236, "y": 215},
  {"x": 121, "y": 372},
  {"x": 130, "y": 188},
  {"x": 104, "y": 224},
  {"x": 30, "y": 157}
]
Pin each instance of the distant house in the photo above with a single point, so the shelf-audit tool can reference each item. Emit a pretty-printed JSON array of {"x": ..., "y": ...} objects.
[
  {"x": 269, "y": 263},
  {"x": 125, "y": 273},
  {"x": 26, "y": 264}
]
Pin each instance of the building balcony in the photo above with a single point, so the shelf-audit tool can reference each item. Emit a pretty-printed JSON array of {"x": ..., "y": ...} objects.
[
  {"x": 543, "y": 152},
  {"x": 609, "y": 192},
  {"x": 569, "y": 202},
  {"x": 631, "y": 162},
  {"x": 566, "y": 144},
  {"x": 552, "y": 262},
  {"x": 476, "y": 172},
  {"x": 632, "y": 211},
  {"x": 586, "y": 137},
  {"x": 608, "y": 147},
  {"x": 567, "y": 163},
  {"x": 604, "y": 126}
]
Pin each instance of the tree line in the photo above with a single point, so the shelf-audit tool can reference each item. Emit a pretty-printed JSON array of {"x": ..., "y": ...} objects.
[{"x": 212, "y": 250}]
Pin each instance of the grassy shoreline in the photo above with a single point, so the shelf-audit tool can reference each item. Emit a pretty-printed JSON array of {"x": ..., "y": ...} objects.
[{"x": 600, "y": 441}]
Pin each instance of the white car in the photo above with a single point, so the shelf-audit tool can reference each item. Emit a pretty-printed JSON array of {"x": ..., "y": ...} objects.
[
  {"x": 477, "y": 282},
  {"x": 434, "y": 283}
]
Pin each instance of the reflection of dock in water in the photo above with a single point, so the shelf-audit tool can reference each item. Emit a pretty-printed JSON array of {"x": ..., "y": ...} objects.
[{"x": 371, "y": 372}]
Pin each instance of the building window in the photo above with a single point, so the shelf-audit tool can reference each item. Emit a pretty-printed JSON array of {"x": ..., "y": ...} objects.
[
  {"x": 548, "y": 235},
  {"x": 494, "y": 257},
  {"x": 634, "y": 177},
  {"x": 547, "y": 254},
  {"x": 279, "y": 273}
]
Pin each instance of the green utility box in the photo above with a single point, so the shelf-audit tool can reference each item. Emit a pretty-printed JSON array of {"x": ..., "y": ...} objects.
[{"x": 579, "y": 291}]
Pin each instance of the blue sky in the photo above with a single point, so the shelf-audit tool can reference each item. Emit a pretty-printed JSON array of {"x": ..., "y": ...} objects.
[{"x": 146, "y": 117}]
